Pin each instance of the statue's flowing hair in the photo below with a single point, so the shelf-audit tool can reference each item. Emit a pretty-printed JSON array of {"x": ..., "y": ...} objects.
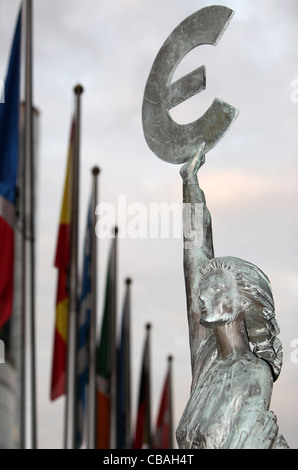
[{"x": 261, "y": 325}]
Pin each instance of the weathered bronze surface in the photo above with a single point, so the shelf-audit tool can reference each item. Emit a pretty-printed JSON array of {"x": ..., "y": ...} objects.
[{"x": 235, "y": 352}]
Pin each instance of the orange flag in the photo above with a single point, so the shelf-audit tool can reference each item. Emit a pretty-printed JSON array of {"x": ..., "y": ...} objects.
[{"x": 62, "y": 261}]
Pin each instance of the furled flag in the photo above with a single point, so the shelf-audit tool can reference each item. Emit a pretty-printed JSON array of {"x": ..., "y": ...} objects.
[
  {"x": 142, "y": 438},
  {"x": 124, "y": 377},
  {"x": 62, "y": 262},
  {"x": 163, "y": 430},
  {"x": 84, "y": 332},
  {"x": 106, "y": 361},
  {"x": 9, "y": 150}
]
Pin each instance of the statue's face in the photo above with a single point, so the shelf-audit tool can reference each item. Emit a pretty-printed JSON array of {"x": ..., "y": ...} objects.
[{"x": 220, "y": 299}]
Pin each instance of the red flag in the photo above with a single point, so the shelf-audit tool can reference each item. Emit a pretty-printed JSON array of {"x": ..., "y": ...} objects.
[
  {"x": 142, "y": 438},
  {"x": 62, "y": 261},
  {"x": 163, "y": 431}
]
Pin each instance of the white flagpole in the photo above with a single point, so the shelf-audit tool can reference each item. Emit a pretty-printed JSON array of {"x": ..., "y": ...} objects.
[{"x": 28, "y": 268}]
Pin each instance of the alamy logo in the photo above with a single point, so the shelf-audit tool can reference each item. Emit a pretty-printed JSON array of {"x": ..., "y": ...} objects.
[
  {"x": 294, "y": 94},
  {"x": 2, "y": 94},
  {"x": 136, "y": 220},
  {"x": 2, "y": 352},
  {"x": 294, "y": 353}
]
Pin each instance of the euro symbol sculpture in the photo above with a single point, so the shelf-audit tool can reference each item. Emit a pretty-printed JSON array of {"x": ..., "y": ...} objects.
[
  {"x": 235, "y": 351},
  {"x": 172, "y": 142}
]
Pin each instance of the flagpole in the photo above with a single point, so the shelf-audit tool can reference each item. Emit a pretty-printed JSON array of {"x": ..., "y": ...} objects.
[
  {"x": 70, "y": 425},
  {"x": 148, "y": 387},
  {"x": 92, "y": 357},
  {"x": 28, "y": 268},
  {"x": 127, "y": 378},
  {"x": 170, "y": 359},
  {"x": 113, "y": 353}
]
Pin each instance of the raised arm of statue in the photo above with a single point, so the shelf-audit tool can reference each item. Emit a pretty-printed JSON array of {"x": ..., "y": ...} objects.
[
  {"x": 198, "y": 246},
  {"x": 235, "y": 352}
]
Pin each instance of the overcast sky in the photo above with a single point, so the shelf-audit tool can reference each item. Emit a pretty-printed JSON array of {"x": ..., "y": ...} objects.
[{"x": 250, "y": 178}]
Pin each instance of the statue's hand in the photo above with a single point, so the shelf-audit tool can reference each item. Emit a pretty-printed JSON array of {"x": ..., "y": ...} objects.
[{"x": 192, "y": 166}]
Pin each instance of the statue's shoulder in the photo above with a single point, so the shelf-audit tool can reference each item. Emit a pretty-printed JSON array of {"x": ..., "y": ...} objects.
[
  {"x": 252, "y": 362},
  {"x": 255, "y": 371}
]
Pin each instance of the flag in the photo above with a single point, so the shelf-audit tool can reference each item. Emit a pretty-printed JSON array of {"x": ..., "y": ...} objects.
[
  {"x": 142, "y": 438},
  {"x": 84, "y": 331},
  {"x": 9, "y": 149},
  {"x": 163, "y": 431},
  {"x": 124, "y": 377},
  {"x": 106, "y": 387},
  {"x": 62, "y": 262}
]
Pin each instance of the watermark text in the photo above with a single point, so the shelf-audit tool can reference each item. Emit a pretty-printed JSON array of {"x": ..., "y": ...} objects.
[
  {"x": 294, "y": 353},
  {"x": 156, "y": 220},
  {"x": 294, "y": 94}
]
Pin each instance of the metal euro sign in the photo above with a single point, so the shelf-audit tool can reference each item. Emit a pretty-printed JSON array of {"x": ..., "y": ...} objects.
[{"x": 172, "y": 142}]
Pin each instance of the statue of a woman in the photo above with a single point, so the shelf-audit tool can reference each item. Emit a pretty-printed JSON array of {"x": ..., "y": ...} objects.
[{"x": 235, "y": 353}]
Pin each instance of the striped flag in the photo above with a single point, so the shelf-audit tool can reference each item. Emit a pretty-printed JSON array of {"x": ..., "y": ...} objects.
[
  {"x": 62, "y": 262},
  {"x": 106, "y": 361},
  {"x": 9, "y": 150},
  {"x": 124, "y": 377},
  {"x": 163, "y": 431},
  {"x": 84, "y": 331},
  {"x": 142, "y": 438}
]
